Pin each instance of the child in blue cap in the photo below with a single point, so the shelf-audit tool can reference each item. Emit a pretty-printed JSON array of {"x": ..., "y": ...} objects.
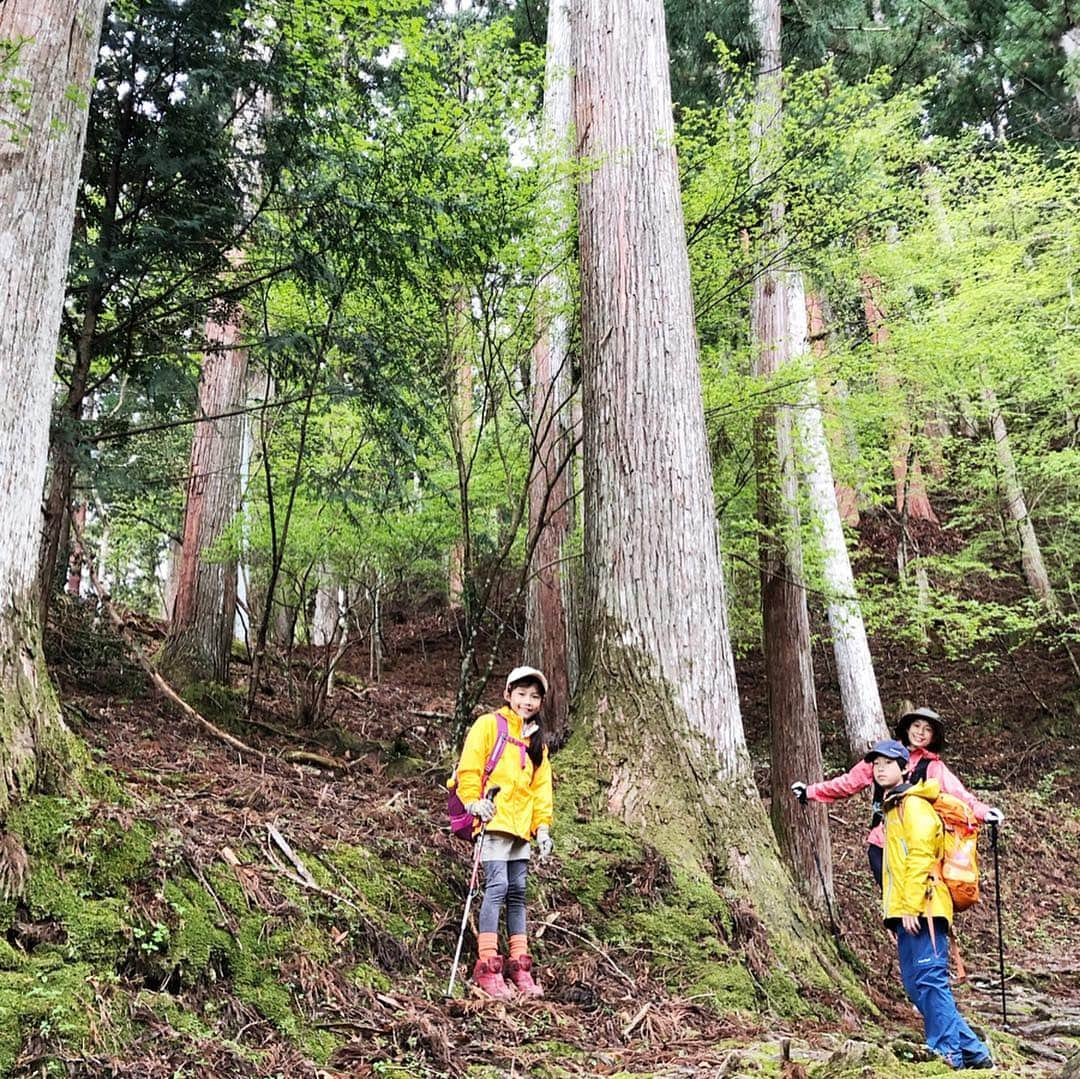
[{"x": 917, "y": 906}]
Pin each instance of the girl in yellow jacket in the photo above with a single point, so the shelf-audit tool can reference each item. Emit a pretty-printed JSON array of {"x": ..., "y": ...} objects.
[
  {"x": 521, "y": 811},
  {"x": 917, "y": 906}
]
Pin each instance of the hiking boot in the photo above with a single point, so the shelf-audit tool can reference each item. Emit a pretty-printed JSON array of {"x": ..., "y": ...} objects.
[
  {"x": 488, "y": 977},
  {"x": 982, "y": 1064},
  {"x": 520, "y": 973}
]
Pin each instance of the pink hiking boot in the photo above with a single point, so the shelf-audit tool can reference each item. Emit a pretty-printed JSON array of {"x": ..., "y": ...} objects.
[
  {"x": 488, "y": 976},
  {"x": 520, "y": 973}
]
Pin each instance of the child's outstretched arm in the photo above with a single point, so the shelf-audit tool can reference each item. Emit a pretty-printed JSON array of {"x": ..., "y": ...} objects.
[{"x": 857, "y": 779}]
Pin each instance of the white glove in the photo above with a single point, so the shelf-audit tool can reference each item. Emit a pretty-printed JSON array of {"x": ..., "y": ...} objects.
[
  {"x": 994, "y": 815},
  {"x": 798, "y": 788},
  {"x": 484, "y": 808},
  {"x": 543, "y": 842}
]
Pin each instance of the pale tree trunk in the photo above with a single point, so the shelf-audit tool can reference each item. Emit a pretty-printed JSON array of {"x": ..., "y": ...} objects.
[
  {"x": 199, "y": 642},
  {"x": 40, "y": 155},
  {"x": 795, "y": 741},
  {"x": 847, "y": 500},
  {"x": 864, "y": 718},
  {"x": 1070, "y": 44},
  {"x": 658, "y": 710},
  {"x": 326, "y": 619},
  {"x": 61, "y": 451},
  {"x": 550, "y": 622}
]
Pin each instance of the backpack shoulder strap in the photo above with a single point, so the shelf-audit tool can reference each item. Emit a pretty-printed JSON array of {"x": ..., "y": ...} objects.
[
  {"x": 920, "y": 773},
  {"x": 502, "y": 736}
]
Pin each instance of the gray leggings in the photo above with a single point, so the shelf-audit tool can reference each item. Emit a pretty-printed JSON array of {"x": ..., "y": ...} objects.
[{"x": 504, "y": 883}]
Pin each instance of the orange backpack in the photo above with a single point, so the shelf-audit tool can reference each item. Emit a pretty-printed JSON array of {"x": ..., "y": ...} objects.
[{"x": 960, "y": 860}]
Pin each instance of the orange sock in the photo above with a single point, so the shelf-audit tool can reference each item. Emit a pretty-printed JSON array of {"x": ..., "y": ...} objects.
[
  {"x": 488, "y": 944},
  {"x": 519, "y": 946}
]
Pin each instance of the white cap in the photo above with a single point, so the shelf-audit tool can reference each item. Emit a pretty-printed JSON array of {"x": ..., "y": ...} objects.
[{"x": 519, "y": 674}]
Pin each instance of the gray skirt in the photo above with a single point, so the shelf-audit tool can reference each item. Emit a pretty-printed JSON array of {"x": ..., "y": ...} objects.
[{"x": 503, "y": 847}]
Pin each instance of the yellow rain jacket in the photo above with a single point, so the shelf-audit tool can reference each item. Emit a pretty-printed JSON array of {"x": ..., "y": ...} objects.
[
  {"x": 914, "y": 846},
  {"x": 524, "y": 801}
]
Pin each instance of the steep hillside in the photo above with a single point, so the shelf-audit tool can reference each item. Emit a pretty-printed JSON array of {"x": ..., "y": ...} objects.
[{"x": 192, "y": 913}]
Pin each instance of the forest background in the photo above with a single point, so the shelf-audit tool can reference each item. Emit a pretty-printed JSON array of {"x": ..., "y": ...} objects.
[{"x": 338, "y": 368}]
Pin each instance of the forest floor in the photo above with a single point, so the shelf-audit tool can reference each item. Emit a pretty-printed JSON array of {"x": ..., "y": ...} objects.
[{"x": 364, "y": 975}]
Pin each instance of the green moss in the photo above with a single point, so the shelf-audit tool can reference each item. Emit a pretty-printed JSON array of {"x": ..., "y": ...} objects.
[
  {"x": 368, "y": 977},
  {"x": 100, "y": 784},
  {"x": 220, "y": 704},
  {"x": 68, "y": 1003},
  {"x": 42, "y": 823},
  {"x": 387, "y": 883},
  {"x": 118, "y": 855},
  {"x": 10, "y": 959},
  {"x": 181, "y": 1019}
]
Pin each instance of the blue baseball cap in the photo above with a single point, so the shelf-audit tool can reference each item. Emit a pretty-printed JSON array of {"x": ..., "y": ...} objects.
[{"x": 893, "y": 750}]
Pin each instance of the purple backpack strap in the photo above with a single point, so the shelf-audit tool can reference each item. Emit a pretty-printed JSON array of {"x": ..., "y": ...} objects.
[{"x": 501, "y": 738}]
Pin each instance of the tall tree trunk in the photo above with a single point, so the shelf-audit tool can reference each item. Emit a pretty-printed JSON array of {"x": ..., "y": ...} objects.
[
  {"x": 864, "y": 718},
  {"x": 658, "y": 710},
  {"x": 64, "y": 435},
  {"x": 40, "y": 155},
  {"x": 550, "y": 622},
  {"x": 795, "y": 740},
  {"x": 200, "y": 636}
]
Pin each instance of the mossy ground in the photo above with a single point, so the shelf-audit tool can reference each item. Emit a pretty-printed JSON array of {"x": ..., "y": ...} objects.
[{"x": 137, "y": 937}]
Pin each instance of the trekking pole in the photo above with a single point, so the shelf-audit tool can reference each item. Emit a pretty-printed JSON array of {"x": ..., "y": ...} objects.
[
  {"x": 997, "y": 903},
  {"x": 474, "y": 878}
]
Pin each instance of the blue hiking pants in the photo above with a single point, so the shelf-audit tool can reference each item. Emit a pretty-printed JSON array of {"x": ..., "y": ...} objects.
[
  {"x": 504, "y": 884},
  {"x": 924, "y": 967}
]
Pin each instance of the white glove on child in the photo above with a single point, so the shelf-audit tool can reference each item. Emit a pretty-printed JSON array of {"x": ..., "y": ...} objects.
[
  {"x": 798, "y": 788},
  {"x": 484, "y": 808},
  {"x": 994, "y": 815},
  {"x": 543, "y": 842}
]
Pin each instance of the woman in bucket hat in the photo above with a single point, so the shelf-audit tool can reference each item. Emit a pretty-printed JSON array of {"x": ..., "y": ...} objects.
[
  {"x": 521, "y": 813},
  {"x": 922, "y": 733}
]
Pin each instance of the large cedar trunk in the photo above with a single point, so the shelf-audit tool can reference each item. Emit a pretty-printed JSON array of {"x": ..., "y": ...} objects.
[
  {"x": 40, "y": 155},
  {"x": 550, "y": 622},
  {"x": 658, "y": 711},
  {"x": 795, "y": 741},
  {"x": 200, "y": 636},
  {"x": 864, "y": 718}
]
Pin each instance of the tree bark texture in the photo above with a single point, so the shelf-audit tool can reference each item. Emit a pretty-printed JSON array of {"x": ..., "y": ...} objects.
[
  {"x": 658, "y": 722},
  {"x": 40, "y": 155},
  {"x": 200, "y": 636},
  {"x": 550, "y": 618},
  {"x": 795, "y": 740},
  {"x": 864, "y": 718}
]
